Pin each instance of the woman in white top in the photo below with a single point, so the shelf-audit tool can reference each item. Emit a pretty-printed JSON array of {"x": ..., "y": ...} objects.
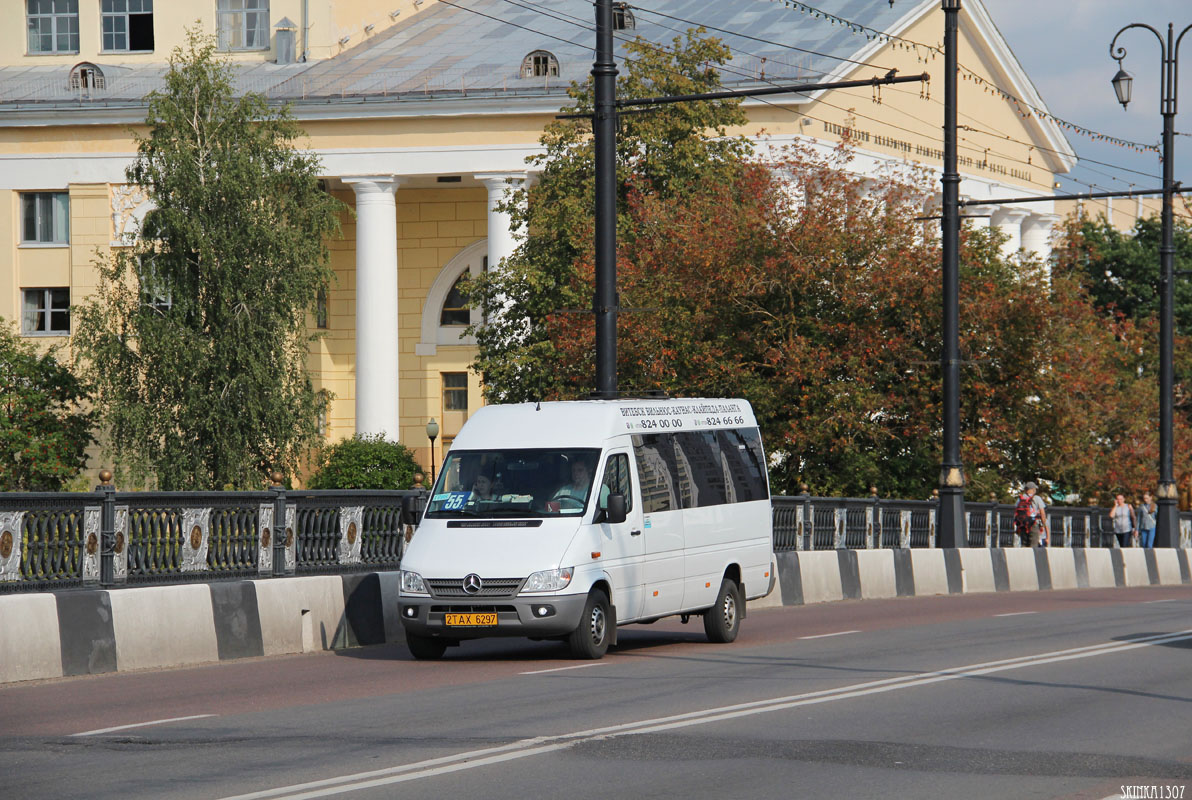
[{"x": 1123, "y": 520}]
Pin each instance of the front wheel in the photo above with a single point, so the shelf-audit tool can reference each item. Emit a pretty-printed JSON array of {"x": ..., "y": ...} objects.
[
  {"x": 723, "y": 620},
  {"x": 424, "y": 648},
  {"x": 590, "y": 639}
]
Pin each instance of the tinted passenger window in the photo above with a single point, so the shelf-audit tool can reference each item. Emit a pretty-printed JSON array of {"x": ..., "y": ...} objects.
[
  {"x": 616, "y": 479},
  {"x": 657, "y": 472},
  {"x": 741, "y": 452},
  {"x": 699, "y": 458}
]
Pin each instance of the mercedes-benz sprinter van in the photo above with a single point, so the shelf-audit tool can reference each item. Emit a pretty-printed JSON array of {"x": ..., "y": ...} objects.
[{"x": 564, "y": 520}]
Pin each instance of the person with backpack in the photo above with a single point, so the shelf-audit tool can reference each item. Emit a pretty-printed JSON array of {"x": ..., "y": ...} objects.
[{"x": 1030, "y": 518}]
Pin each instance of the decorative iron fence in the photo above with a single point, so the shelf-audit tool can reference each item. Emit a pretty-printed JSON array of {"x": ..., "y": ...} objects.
[
  {"x": 830, "y": 523},
  {"x": 110, "y": 538}
]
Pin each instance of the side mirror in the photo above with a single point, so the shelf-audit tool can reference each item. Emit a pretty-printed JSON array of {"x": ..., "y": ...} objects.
[
  {"x": 411, "y": 509},
  {"x": 615, "y": 513}
]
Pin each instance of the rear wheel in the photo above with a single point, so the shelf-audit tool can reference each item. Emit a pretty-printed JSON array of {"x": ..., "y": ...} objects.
[
  {"x": 591, "y": 638},
  {"x": 424, "y": 648},
  {"x": 723, "y": 620}
]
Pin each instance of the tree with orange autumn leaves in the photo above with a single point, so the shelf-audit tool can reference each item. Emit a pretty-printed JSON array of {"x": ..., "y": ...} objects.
[{"x": 815, "y": 293}]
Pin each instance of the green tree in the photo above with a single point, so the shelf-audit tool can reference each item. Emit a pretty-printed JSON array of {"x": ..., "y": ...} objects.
[
  {"x": 670, "y": 150},
  {"x": 44, "y": 427},
  {"x": 1121, "y": 270},
  {"x": 365, "y": 462},
  {"x": 195, "y": 338}
]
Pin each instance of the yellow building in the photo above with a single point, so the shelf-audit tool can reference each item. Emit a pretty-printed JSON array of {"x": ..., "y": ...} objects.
[{"x": 423, "y": 114}]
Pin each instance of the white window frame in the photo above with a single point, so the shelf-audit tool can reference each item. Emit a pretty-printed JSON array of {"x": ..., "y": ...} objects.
[
  {"x": 540, "y": 64},
  {"x": 119, "y": 15},
  {"x": 68, "y": 19},
  {"x": 51, "y": 219},
  {"x": 43, "y": 310},
  {"x": 233, "y": 24},
  {"x": 470, "y": 259}
]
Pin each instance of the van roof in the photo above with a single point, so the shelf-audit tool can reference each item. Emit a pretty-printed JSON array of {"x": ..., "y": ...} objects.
[{"x": 588, "y": 423}]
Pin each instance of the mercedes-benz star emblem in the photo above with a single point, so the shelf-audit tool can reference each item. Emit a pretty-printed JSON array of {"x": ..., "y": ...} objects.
[{"x": 472, "y": 583}]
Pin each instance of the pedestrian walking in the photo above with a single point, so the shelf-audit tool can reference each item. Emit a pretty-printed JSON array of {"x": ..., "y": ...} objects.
[
  {"x": 1030, "y": 516},
  {"x": 1122, "y": 515},
  {"x": 1147, "y": 511}
]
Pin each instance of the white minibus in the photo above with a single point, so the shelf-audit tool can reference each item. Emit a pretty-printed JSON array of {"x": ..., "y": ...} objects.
[{"x": 566, "y": 519}]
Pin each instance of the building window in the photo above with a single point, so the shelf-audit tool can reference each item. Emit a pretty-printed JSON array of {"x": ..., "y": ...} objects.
[
  {"x": 539, "y": 64},
  {"x": 46, "y": 311},
  {"x": 244, "y": 24},
  {"x": 127, "y": 25},
  {"x": 86, "y": 76},
  {"x": 623, "y": 17},
  {"x": 455, "y": 391},
  {"x": 455, "y": 307},
  {"x": 324, "y": 410},
  {"x": 154, "y": 293},
  {"x": 321, "y": 310},
  {"x": 53, "y": 26},
  {"x": 45, "y": 217}
]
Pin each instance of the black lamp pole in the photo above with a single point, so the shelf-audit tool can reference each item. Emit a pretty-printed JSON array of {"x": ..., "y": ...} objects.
[
  {"x": 1167, "y": 530},
  {"x": 950, "y": 528},
  {"x": 604, "y": 131}
]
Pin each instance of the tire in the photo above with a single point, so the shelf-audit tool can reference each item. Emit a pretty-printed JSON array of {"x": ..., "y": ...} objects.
[
  {"x": 425, "y": 648},
  {"x": 723, "y": 620},
  {"x": 590, "y": 640}
]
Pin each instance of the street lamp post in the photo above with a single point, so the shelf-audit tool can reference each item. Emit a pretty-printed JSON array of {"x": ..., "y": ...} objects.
[
  {"x": 432, "y": 433},
  {"x": 1167, "y": 530}
]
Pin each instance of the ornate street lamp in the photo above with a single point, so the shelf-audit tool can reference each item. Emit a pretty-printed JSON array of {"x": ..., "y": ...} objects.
[
  {"x": 432, "y": 433},
  {"x": 1167, "y": 531}
]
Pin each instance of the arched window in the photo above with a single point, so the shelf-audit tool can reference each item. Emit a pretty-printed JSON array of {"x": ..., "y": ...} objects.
[
  {"x": 540, "y": 64},
  {"x": 623, "y": 17},
  {"x": 86, "y": 75},
  {"x": 455, "y": 307}
]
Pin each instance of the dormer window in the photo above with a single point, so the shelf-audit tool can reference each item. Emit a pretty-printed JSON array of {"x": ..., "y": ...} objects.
[
  {"x": 623, "y": 17},
  {"x": 86, "y": 76},
  {"x": 540, "y": 64}
]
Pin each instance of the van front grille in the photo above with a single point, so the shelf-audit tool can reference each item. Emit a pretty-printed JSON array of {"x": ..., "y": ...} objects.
[{"x": 491, "y": 587}]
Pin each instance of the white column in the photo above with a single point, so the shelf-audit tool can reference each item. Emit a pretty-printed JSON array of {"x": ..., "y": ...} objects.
[
  {"x": 1036, "y": 234},
  {"x": 376, "y": 304},
  {"x": 977, "y": 216},
  {"x": 502, "y": 235},
  {"x": 1009, "y": 222}
]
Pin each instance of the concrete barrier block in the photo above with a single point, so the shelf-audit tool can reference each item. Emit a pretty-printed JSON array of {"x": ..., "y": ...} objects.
[
  {"x": 1100, "y": 564},
  {"x": 1020, "y": 567},
  {"x": 29, "y": 644},
  {"x": 931, "y": 575},
  {"x": 390, "y": 582},
  {"x": 876, "y": 570},
  {"x": 977, "y": 564},
  {"x": 1167, "y": 560},
  {"x": 281, "y": 604},
  {"x": 1062, "y": 563},
  {"x": 1134, "y": 559},
  {"x": 820, "y": 571},
  {"x": 163, "y": 626}
]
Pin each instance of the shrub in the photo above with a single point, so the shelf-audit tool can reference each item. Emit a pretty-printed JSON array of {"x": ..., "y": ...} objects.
[{"x": 365, "y": 462}]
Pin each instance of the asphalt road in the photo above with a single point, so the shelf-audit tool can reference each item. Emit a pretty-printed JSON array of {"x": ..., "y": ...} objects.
[{"x": 1080, "y": 694}]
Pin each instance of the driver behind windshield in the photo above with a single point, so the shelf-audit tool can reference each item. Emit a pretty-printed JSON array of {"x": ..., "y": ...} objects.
[{"x": 574, "y": 493}]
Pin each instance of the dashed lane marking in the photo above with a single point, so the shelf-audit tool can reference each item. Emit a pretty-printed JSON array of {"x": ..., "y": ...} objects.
[{"x": 141, "y": 724}]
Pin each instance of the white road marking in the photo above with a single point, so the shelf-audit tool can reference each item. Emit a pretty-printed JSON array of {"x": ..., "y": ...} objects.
[
  {"x": 546, "y": 744},
  {"x": 141, "y": 724},
  {"x": 1168, "y": 600},
  {"x": 560, "y": 669},
  {"x": 826, "y": 635},
  {"x": 1016, "y": 614}
]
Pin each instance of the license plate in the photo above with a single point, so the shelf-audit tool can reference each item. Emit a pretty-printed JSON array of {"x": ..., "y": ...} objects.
[{"x": 470, "y": 620}]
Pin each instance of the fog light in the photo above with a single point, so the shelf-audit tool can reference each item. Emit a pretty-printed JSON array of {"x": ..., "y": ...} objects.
[
  {"x": 411, "y": 611},
  {"x": 543, "y": 611}
]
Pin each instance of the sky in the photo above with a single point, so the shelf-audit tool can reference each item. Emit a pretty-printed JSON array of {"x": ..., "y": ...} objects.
[{"x": 1063, "y": 45}]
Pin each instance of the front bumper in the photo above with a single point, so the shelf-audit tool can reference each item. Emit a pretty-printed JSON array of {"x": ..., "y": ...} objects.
[{"x": 518, "y": 616}]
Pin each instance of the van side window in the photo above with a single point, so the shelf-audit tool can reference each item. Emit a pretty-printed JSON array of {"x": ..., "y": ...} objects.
[
  {"x": 699, "y": 454},
  {"x": 616, "y": 479},
  {"x": 657, "y": 471},
  {"x": 744, "y": 461}
]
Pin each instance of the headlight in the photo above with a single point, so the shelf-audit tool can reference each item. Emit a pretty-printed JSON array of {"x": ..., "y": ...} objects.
[
  {"x": 550, "y": 580},
  {"x": 411, "y": 583}
]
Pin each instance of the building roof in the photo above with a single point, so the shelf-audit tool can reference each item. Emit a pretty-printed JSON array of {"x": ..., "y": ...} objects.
[{"x": 476, "y": 47}]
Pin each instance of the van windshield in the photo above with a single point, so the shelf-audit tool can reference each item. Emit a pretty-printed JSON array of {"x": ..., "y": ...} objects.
[{"x": 514, "y": 483}]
